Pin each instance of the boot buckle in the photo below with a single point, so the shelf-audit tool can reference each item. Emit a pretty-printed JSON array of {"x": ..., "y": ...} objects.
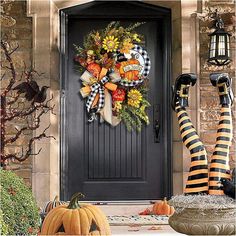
[
  {"x": 184, "y": 88},
  {"x": 223, "y": 90}
]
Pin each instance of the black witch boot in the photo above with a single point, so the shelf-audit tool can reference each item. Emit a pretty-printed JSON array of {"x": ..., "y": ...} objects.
[
  {"x": 223, "y": 82},
  {"x": 181, "y": 89}
]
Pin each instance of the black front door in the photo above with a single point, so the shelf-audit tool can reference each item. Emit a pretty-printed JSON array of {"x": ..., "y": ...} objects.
[{"x": 110, "y": 163}]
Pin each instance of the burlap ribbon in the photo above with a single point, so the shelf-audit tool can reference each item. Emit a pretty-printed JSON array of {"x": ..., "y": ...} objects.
[{"x": 98, "y": 96}]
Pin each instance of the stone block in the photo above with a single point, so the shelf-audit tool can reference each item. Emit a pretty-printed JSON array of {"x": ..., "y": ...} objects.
[
  {"x": 185, "y": 177},
  {"x": 17, "y": 33},
  {"x": 209, "y": 103},
  {"x": 42, "y": 192},
  {"x": 176, "y": 133},
  {"x": 23, "y": 140},
  {"x": 209, "y": 125},
  {"x": 186, "y": 159},
  {"x": 177, "y": 183},
  {"x": 177, "y": 156},
  {"x": 210, "y": 149},
  {"x": 209, "y": 115},
  {"x": 208, "y": 137},
  {"x": 24, "y": 45},
  {"x": 28, "y": 182},
  {"x": 41, "y": 164},
  {"x": 12, "y": 149},
  {"x": 24, "y": 173},
  {"x": 23, "y": 22}
]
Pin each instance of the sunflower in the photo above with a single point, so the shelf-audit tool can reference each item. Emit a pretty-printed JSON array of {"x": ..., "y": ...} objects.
[
  {"x": 134, "y": 98},
  {"x": 110, "y": 43},
  {"x": 126, "y": 46}
]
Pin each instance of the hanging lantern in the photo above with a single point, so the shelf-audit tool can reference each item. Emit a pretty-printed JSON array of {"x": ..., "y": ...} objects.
[{"x": 219, "y": 52}]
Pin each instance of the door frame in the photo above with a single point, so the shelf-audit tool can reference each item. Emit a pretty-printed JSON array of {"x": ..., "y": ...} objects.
[{"x": 155, "y": 12}]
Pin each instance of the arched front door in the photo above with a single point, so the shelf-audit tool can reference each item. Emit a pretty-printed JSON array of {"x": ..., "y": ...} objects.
[{"x": 110, "y": 163}]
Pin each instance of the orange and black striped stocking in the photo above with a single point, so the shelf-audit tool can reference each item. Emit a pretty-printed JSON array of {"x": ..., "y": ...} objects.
[
  {"x": 219, "y": 167},
  {"x": 198, "y": 174}
]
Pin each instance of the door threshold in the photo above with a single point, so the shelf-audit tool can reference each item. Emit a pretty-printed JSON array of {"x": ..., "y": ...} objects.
[{"x": 122, "y": 202}]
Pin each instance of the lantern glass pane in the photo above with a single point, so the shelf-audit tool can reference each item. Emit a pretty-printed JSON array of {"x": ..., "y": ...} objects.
[
  {"x": 221, "y": 45},
  {"x": 228, "y": 46},
  {"x": 213, "y": 46}
]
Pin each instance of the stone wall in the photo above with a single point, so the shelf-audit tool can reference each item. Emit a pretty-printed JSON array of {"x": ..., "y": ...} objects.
[
  {"x": 16, "y": 28},
  {"x": 209, "y": 99}
]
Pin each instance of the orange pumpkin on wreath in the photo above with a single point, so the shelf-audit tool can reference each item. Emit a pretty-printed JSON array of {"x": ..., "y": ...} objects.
[{"x": 126, "y": 71}]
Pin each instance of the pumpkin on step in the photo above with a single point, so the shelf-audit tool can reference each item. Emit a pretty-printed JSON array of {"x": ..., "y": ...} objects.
[
  {"x": 163, "y": 208},
  {"x": 52, "y": 204},
  {"x": 76, "y": 219}
]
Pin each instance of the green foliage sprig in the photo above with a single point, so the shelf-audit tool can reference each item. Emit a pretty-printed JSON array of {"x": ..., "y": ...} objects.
[
  {"x": 133, "y": 117},
  {"x": 114, "y": 29}
]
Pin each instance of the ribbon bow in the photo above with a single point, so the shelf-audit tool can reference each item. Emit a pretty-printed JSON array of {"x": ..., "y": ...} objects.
[{"x": 95, "y": 90}]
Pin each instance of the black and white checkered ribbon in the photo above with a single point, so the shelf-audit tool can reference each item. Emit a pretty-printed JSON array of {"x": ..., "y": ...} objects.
[
  {"x": 130, "y": 83},
  {"x": 147, "y": 61},
  {"x": 97, "y": 88}
]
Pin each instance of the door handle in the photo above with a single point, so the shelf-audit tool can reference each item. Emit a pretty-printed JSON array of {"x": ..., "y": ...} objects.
[
  {"x": 157, "y": 131},
  {"x": 156, "y": 123}
]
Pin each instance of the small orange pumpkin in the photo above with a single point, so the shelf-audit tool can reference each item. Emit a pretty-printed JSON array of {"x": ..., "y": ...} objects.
[
  {"x": 163, "y": 208},
  {"x": 52, "y": 204},
  {"x": 132, "y": 74}
]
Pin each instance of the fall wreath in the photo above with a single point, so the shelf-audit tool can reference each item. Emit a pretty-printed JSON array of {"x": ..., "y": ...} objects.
[{"x": 115, "y": 70}]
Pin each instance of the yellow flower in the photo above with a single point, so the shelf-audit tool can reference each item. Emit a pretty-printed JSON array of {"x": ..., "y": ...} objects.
[
  {"x": 118, "y": 106},
  {"x": 110, "y": 43},
  {"x": 134, "y": 98},
  {"x": 136, "y": 38},
  {"x": 126, "y": 46}
]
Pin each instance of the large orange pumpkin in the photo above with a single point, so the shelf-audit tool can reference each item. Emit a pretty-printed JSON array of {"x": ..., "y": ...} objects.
[
  {"x": 163, "y": 208},
  {"x": 129, "y": 75},
  {"x": 76, "y": 219}
]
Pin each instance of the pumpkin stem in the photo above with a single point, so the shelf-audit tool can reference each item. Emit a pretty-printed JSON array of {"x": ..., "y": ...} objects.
[
  {"x": 74, "y": 202},
  {"x": 56, "y": 199}
]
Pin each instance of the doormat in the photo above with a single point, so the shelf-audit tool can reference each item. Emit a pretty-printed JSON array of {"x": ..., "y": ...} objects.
[{"x": 137, "y": 220}]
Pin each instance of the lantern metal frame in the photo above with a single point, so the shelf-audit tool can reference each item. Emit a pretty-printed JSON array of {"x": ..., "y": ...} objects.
[{"x": 219, "y": 50}]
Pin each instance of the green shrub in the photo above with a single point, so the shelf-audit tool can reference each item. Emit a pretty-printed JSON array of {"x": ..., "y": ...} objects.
[
  {"x": 3, "y": 225},
  {"x": 18, "y": 205}
]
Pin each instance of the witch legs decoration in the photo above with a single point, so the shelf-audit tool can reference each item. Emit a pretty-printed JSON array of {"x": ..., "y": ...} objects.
[
  {"x": 219, "y": 166},
  {"x": 199, "y": 180}
]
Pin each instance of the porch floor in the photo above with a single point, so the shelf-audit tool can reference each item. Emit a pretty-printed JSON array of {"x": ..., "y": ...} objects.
[
  {"x": 143, "y": 230},
  {"x": 132, "y": 208}
]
